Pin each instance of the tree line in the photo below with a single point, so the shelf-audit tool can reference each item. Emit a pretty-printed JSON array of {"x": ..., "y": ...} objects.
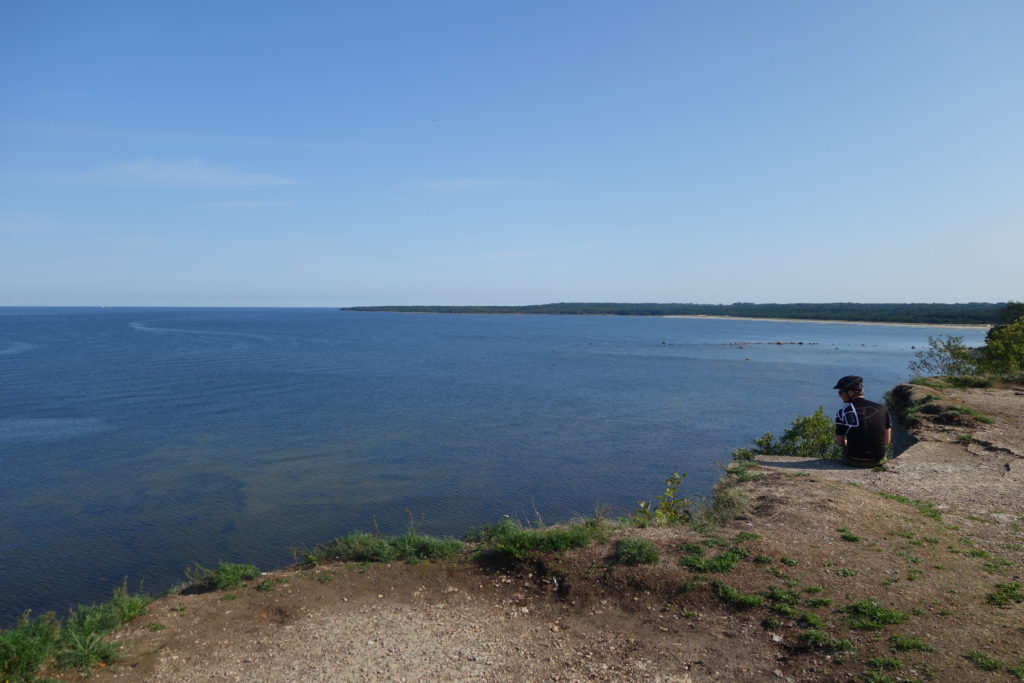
[{"x": 974, "y": 313}]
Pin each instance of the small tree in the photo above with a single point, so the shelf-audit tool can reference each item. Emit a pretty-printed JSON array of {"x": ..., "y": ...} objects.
[
  {"x": 945, "y": 357},
  {"x": 1004, "y": 350}
]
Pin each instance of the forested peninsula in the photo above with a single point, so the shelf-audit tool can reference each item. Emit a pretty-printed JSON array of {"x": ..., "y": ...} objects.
[{"x": 975, "y": 313}]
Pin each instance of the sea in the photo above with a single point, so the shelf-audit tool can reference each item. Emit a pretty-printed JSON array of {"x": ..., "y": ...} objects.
[{"x": 138, "y": 442}]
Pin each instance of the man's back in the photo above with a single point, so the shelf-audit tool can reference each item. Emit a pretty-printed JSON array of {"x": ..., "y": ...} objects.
[{"x": 864, "y": 423}]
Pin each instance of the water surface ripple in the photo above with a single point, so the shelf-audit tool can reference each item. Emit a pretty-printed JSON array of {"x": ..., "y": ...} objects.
[{"x": 135, "y": 442}]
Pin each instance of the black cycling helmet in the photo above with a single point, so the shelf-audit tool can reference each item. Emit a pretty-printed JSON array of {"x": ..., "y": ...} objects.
[{"x": 849, "y": 382}]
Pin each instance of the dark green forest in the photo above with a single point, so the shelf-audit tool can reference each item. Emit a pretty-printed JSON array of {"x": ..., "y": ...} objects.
[{"x": 974, "y": 313}]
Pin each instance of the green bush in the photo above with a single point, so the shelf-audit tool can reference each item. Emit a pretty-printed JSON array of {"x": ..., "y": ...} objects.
[
  {"x": 27, "y": 646},
  {"x": 1004, "y": 348},
  {"x": 810, "y": 436},
  {"x": 77, "y": 643},
  {"x": 670, "y": 510},
  {"x": 634, "y": 551}
]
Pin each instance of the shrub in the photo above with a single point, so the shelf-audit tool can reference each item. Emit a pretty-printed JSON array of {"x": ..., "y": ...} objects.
[
  {"x": 810, "y": 436},
  {"x": 25, "y": 648},
  {"x": 670, "y": 509},
  {"x": 634, "y": 551},
  {"x": 946, "y": 357}
]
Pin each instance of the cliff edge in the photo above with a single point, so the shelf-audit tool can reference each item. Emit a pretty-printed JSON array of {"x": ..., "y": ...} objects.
[{"x": 909, "y": 572}]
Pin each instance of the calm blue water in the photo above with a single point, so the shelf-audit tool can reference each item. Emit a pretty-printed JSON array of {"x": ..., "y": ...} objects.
[{"x": 135, "y": 442}]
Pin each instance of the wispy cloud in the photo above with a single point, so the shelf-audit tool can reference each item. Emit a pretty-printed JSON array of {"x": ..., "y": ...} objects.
[
  {"x": 254, "y": 204},
  {"x": 190, "y": 173},
  {"x": 468, "y": 184},
  {"x": 182, "y": 138}
]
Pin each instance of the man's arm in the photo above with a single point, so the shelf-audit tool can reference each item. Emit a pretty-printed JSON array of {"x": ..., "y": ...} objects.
[
  {"x": 841, "y": 440},
  {"x": 888, "y": 436}
]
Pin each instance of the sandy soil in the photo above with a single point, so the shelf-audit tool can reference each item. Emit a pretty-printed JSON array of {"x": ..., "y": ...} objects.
[{"x": 581, "y": 617}]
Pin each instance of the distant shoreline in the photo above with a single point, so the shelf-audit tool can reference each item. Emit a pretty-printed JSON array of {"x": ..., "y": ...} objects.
[
  {"x": 972, "y": 326},
  {"x": 965, "y": 316}
]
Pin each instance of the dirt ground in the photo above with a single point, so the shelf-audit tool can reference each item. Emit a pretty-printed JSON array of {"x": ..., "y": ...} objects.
[{"x": 818, "y": 538}]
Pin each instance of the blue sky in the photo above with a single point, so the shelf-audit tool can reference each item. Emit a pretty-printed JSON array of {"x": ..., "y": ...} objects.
[{"x": 342, "y": 153}]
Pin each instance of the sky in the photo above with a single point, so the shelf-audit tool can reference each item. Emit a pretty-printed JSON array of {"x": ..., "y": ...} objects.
[{"x": 471, "y": 153}]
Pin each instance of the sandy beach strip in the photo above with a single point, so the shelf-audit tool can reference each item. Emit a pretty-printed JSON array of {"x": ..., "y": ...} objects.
[{"x": 833, "y": 322}]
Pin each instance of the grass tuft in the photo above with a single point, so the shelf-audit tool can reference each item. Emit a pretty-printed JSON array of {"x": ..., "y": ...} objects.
[
  {"x": 736, "y": 599},
  {"x": 818, "y": 638},
  {"x": 226, "y": 575},
  {"x": 909, "y": 644},
  {"x": 634, "y": 551},
  {"x": 983, "y": 661},
  {"x": 868, "y": 615},
  {"x": 924, "y": 507},
  {"x": 78, "y": 642},
  {"x": 26, "y": 647},
  {"x": 1004, "y": 594},
  {"x": 722, "y": 563},
  {"x": 517, "y": 542}
]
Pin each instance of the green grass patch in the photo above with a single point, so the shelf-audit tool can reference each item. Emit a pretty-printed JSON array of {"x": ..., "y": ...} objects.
[
  {"x": 786, "y": 597},
  {"x": 226, "y": 575},
  {"x": 363, "y": 547},
  {"x": 634, "y": 551},
  {"x": 970, "y": 412},
  {"x": 722, "y": 563},
  {"x": 736, "y": 599},
  {"x": 518, "y": 542},
  {"x": 984, "y": 661},
  {"x": 885, "y": 664},
  {"x": 789, "y": 562},
  {"x": 818, "y": 602},
  {"x": 82, "y": 651},
  {"x": 909, "y": 644},
  {"x": 1017, "y": 671},
  {"x": 845, "y": 572},
  {"x": 26, "y": 647},
  {"x": 848, "y": 535},
  {"x": 819, "y": 638},
  {"x": 924, "y": 507},
  {"x": 268, "y": 585},
  {"x": 812, "y": 620},
  {"x": 1005, "y": 594},
  {"x": 868, "y": 615},
  {"x": 77, "y": 642},
  {"x": 713, "y": 541}
]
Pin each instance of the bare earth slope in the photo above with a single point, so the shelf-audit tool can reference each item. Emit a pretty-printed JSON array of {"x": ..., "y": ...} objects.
[{"x": 815, "y": 539}]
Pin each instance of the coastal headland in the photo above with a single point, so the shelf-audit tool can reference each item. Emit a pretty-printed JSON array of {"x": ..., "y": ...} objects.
[{"x": 821, "y": 573}]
